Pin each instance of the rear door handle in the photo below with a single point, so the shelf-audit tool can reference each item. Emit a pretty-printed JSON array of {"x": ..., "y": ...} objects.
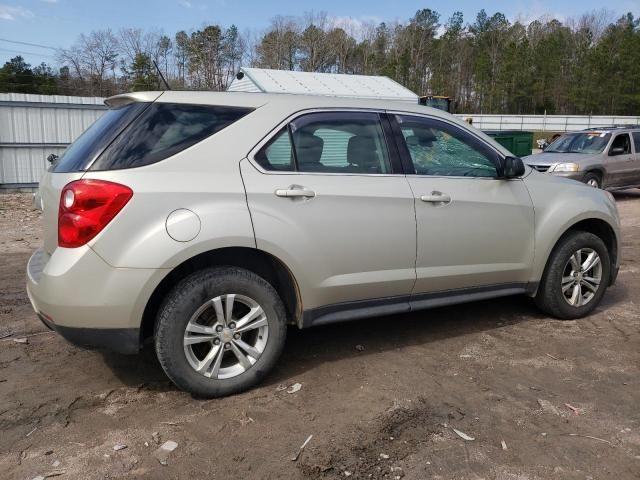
[
  {"x": 436, "y": 197},
  {"x": 295, "y": 192}
]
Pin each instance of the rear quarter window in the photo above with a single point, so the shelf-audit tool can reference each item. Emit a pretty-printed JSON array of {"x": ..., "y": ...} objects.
[
  {"x": 163, "y": 130},
  {"x": 83, "y": 151}
]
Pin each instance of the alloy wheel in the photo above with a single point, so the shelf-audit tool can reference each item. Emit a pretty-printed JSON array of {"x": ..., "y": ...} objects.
[
  {"x": 226, "y": 336},
  {"x": 581, "y": 277}
]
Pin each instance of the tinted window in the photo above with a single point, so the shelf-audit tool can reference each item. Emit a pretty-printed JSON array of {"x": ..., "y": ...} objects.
[
  {"x": 636, "y": 141},
  {"x": 165, "y": 129},
  {"x": 277, "y": 154},
  {"x": 341, "y": 142},
  {"x": 621, "y": 141},
  {"x": 83, "y": 151},
  {"x": 440, "y": 149}
]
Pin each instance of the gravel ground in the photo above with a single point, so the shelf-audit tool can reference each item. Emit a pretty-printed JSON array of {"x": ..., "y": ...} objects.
[{"x": 541, "y": 398}]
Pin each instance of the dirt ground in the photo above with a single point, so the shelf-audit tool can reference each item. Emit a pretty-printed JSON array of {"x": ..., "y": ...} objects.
[{"x": 541, "y": 398}]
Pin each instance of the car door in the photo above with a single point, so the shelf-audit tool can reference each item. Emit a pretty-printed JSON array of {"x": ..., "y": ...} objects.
[
  {"x": 620, "y": 162},
  {"x": 475, "y": 231},
  {"x": 328, "y": 198}
]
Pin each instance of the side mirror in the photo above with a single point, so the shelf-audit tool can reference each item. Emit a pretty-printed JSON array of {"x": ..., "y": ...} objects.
[
  {"x": 52, "y": 158},
  {"x": 616, "y": 151},
  {"x": 512, "y": 167}
]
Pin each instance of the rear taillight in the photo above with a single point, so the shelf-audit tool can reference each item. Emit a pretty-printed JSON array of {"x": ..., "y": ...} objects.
[{"x": 86, "y": 207}]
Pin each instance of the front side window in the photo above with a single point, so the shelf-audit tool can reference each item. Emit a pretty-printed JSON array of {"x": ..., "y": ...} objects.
[
  {"x": 621, "y": 145},
  {"x": 439, "y": 149},
  {"x": 163, "y": 130},
  {"x": 636, "y": 141}
]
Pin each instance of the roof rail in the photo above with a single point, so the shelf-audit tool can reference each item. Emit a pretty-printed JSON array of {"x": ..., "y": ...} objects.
[{"x": 612, "y": 127}]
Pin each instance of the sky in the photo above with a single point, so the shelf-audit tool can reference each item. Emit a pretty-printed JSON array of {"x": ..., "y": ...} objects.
[{"x": 58, "y": 23}]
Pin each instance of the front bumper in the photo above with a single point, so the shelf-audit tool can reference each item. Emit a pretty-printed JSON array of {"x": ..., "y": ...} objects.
[
  {"x": 87, "y": 301},
  {"x": 579, "y": 176},
  {"x": 543, "y": 168}
]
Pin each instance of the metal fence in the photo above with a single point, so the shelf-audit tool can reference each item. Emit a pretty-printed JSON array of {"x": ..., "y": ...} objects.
[
  {"x": 33, "y": 126},
  {"x": 547, "y": 123}
]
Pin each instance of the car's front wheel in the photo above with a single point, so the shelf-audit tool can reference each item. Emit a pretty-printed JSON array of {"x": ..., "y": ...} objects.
[
  {"x": 593, "y": 180},
  {"x": 220, "y": 331},
  {"x": 576, "y": 276}
]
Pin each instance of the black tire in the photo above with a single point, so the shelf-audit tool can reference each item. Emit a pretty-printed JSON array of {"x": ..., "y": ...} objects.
[
  {"x": 550, "y": 298},
  {"x": 186, "y": 298},
  {"x": 593, "y": 179}
]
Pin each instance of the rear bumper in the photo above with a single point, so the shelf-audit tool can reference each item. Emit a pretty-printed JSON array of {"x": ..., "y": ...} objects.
[
  {"x": 119, "y": 340},
  {"x": 87, "y": 301}
]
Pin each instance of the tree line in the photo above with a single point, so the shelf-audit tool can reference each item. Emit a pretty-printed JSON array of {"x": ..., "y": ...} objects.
[{"x": 586, "y": 65}]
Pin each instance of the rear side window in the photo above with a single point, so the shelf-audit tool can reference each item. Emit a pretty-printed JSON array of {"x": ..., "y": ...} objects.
[
  {"x": 95, "y": 139},
  {"x": 163, "y": 130},
  {"x": 340, "y": 142},
  {"x": 277, "y": 154},
  {"x": 329, "y": 142}
]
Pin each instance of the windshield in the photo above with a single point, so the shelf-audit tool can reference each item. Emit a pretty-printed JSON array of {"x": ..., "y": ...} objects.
[{"x": 583, "y": 142}]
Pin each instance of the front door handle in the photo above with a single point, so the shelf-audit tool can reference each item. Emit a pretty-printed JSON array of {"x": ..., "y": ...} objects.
[
  {"x": 436, "y": 197},
  {"x": 292, "y": 192}
]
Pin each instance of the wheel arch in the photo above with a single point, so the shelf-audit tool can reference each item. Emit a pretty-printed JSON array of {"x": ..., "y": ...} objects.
[
  {"x": 600, "y": 228},
  {"x": 598, "y": 170},
  {"x": 264, "y": 264}
]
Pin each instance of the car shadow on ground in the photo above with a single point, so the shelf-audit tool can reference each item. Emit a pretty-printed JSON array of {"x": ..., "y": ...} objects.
[
  {"x": 307, "y": 349},
  {"x": 627, "y": 195}
]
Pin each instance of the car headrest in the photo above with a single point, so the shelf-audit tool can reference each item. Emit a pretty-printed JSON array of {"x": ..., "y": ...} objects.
[
  {"x": 362, "y": 151},
  {"x": 426, "y": 139},
  {"x": 412, "y": 141},
  {"x": 308, "y": 148}
]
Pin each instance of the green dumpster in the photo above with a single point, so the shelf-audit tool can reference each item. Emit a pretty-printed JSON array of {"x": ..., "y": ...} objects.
[{"x": 518, "y": 142}]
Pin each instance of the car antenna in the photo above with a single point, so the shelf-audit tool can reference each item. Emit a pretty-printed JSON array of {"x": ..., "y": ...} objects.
[{"x": 161, "y": 76}]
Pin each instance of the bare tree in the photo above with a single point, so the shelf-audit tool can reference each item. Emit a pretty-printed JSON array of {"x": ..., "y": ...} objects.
[
  {"x": 93, "y": 59},
  {"x": 595, "y": 22}
]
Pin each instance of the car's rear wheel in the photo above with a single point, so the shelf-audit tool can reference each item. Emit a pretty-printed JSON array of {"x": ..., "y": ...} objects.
[
  {"x": 593, "y": 180},
  {"x": 576, "y": 276},
  {"x": 220, "y": 331}
]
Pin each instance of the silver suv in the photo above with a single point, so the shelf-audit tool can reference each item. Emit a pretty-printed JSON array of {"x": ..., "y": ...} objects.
[
  {"x": 205, "y": 223},
  {"x": 606, "y": 158}
]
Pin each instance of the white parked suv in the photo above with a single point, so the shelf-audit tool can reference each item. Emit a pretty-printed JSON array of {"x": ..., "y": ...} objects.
[{"x": 208, "y": 222}]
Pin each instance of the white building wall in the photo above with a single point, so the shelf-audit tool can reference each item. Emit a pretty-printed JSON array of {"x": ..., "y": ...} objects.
[
  {"x": 33, "y": 126},
  {"x": 547, "y": 123},
  {"x": 243, "y": 85}
]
